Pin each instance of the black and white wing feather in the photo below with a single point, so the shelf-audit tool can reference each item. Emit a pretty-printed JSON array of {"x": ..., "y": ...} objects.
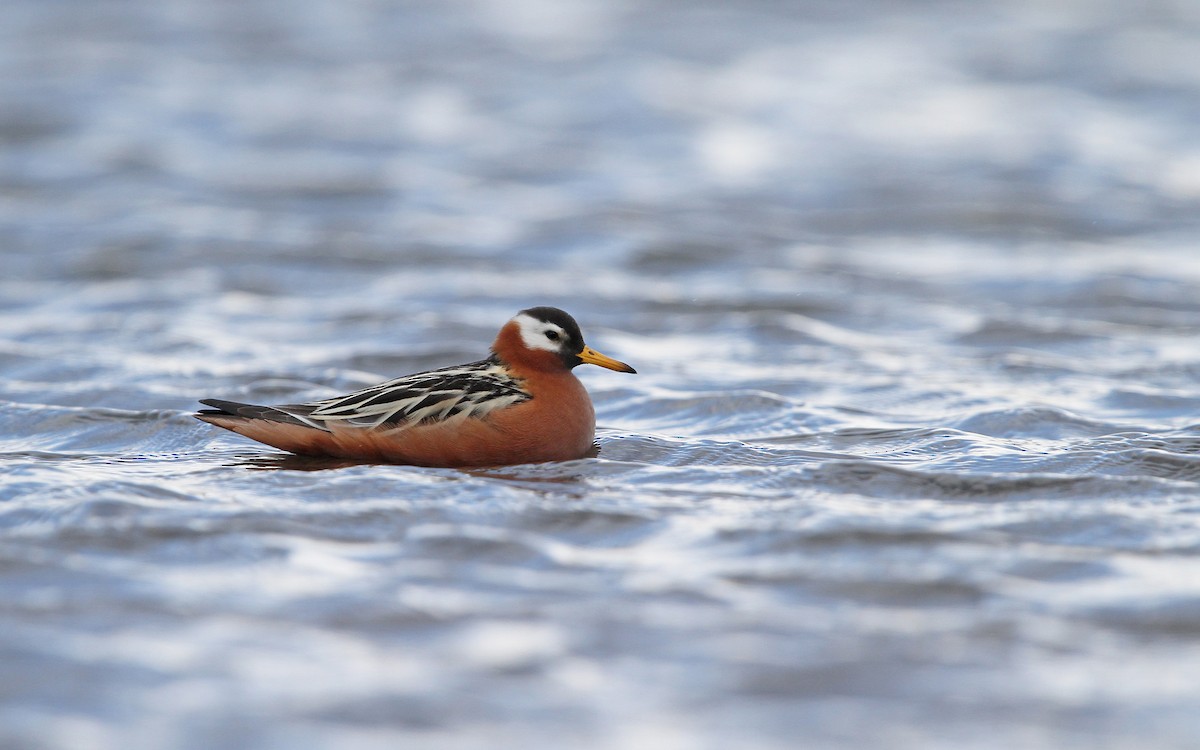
[{"x": 451, "y": 393}]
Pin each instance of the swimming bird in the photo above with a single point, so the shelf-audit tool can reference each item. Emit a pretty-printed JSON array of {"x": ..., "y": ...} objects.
[{"x": 522, "y": 404}]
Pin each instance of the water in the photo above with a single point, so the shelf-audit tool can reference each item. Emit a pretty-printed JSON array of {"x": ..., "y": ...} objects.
[{"x": 911, "y": 460}]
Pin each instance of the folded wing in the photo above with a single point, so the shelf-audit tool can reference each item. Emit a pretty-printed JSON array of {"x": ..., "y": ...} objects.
[{"x": 452, "y": 393}]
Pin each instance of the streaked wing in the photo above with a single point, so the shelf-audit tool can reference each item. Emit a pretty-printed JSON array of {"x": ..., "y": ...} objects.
[{"x": 459, "y": 392}]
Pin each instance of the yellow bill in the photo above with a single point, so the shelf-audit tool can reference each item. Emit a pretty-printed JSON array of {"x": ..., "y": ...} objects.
[{"x": 593, "y": 357}]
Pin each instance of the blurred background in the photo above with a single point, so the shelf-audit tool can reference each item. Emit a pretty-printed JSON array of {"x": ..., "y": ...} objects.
[
  {"x": 141, "y": 138},
  {"x": 913, "y": 292}
]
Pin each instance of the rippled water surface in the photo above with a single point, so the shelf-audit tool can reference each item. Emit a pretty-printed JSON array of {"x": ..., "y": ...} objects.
[{"x": 912, "y": 460}]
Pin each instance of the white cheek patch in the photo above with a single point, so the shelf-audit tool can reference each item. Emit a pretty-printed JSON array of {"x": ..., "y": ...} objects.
[{"x": 533, "y": 333}]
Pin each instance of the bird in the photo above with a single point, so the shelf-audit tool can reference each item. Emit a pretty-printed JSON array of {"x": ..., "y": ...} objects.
[{"x": 521, "y": 404}]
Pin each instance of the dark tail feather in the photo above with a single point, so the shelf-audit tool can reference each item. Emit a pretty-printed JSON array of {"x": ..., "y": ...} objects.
[{"x": 227, "y": 409}]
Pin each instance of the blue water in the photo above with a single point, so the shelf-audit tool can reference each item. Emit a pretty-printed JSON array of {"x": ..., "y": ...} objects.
[{"x": 911, "y": 460}]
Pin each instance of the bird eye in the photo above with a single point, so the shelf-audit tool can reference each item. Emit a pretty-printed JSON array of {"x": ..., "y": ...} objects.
[{"x": 552, "y": 335}]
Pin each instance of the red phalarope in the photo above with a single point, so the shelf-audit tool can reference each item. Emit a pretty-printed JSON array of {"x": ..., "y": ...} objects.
[{"x": 520, "y": 405}]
